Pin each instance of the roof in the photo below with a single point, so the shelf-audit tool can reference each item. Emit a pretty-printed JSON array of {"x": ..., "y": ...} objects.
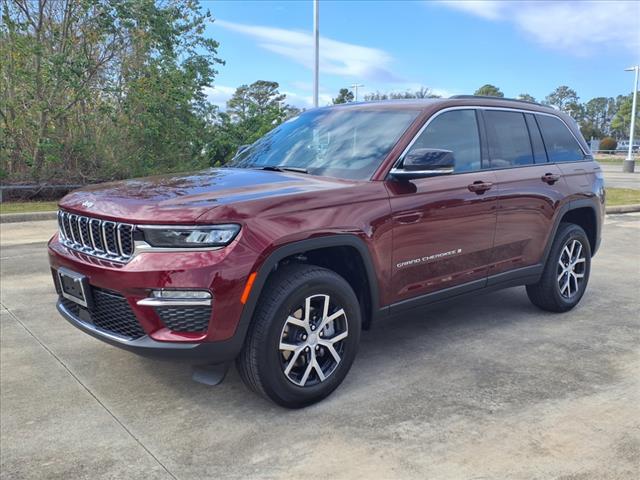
[{"x": 455, "y": 101}]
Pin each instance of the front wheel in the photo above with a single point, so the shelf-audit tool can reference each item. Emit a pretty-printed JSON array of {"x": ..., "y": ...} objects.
[
  {"x": 566, "y": 274},
  {"x": 303, "y": 338}
]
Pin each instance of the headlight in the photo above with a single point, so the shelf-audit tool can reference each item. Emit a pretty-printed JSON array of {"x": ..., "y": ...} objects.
[{"x": 190, "y": 237}]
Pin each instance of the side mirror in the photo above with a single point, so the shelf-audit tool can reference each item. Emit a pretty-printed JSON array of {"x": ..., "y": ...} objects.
[{"x": 425, "y": 162}]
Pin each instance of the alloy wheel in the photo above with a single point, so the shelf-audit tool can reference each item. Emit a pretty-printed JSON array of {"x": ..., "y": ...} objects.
[
  {"x": 312, "y": 340},
  {"x": 571, "y": 268}
]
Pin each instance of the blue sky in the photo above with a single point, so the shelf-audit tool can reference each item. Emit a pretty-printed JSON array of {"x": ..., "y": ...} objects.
[{"x": 452, "y": 47}]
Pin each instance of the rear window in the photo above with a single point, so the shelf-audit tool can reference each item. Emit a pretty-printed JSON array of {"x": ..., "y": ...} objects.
[
  {"x": 561, "y": 144},
  {"x": 509, "y": 143}
]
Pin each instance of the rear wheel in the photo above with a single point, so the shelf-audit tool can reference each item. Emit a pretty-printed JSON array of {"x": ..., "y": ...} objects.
[
  {"x": 565, "y": 276},
  {"x": 303, "y": 338}
]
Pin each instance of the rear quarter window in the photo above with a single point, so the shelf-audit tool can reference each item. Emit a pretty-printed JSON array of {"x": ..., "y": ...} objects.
[{"x": 561, "y": 145}]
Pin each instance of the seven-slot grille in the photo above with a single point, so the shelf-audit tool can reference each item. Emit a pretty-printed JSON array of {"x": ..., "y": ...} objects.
[{"x": 100, "y": 238}]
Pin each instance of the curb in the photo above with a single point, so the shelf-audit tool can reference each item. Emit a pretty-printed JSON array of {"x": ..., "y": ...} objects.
[
  {"x": 27, "y": 217},
  {"x": 36, "y": 216},
  {"x": 623, "y": 209}
]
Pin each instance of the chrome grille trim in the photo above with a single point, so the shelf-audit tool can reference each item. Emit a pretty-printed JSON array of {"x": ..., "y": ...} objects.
[{"x": 110, "y": 233}]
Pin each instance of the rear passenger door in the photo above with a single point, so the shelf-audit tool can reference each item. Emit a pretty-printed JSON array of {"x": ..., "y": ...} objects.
[
  {"x": 564, "y": 150},
  {"x": 529, "y": 191}
]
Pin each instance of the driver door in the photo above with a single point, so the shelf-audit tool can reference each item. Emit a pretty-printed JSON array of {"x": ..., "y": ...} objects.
[{"x": 443, "y": 225}]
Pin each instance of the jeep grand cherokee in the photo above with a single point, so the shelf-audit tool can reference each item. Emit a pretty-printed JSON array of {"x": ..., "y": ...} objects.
[{"x": 334, "y": 219}]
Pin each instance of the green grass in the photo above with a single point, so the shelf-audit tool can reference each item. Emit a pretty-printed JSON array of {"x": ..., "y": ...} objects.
[
  {"x": 622, "y": 196},
  {"x": 27, "y": 207}
]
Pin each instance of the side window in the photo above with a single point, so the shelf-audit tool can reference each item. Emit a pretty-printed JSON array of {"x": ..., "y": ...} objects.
[
  {"x": 539, "y": 153},
  {"x": 456, "y": 131},
  {"x": 508, "y": 137},
  {"x": 561, "y": 144}
]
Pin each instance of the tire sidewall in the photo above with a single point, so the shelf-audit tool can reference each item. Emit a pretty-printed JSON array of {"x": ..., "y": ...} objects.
[{"x": 276, "y": 383}]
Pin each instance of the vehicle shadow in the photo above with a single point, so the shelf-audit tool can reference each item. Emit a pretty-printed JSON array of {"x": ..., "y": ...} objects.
[{"x": 418, "y": 338}]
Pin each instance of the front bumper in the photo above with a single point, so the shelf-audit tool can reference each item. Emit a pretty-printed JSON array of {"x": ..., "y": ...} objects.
[
  {"x": 196, "y": 353},
  {"x": 223, "y": 273}
]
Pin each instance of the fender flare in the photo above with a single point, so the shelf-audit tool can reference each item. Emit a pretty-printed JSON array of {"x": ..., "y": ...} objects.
[
  {"x": 562, "y": 211},
  {"x": 287, "y": 250}
]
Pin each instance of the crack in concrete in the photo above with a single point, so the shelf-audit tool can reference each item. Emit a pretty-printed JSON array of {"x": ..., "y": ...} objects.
[{"x": 88, "y": 390}]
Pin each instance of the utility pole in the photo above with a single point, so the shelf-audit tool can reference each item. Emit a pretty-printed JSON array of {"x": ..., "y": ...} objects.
[
  {"x": 630, "y": 164},
  {"x": 355, "y": 87},
  {"x": 316, "y": 65}
]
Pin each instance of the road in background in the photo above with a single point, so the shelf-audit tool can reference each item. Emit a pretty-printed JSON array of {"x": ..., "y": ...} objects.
[
  {"x": 615, "y": 178},
  {"x": 486, "y": 388}
]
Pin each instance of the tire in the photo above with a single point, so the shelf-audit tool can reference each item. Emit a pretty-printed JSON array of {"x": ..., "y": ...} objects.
[
  {"x": 559, "y": 290},
  {"x": 279, "y": 321}
]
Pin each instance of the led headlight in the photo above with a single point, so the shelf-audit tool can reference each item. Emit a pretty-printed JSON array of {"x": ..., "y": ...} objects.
[{"x": 191, "y": 237}]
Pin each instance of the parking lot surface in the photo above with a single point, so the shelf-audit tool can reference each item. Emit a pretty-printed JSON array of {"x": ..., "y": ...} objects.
[{"x": 488, "y": 388}]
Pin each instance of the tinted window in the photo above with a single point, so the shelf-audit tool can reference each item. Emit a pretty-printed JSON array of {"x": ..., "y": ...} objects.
[
  {"x": 456, "y": 131},
  {"x": 337, "y": 142},
  {"x": 539, "y": 154},
  {"x": 560, "y": 143},
  {"x": 508, "y": 136}
]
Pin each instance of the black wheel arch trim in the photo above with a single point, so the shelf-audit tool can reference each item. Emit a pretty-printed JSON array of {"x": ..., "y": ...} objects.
[
  {"x": 316, "y": 243},
  {"x": 593, "y": 204}
]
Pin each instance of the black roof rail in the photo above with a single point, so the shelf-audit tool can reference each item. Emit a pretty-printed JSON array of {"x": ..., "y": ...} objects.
[{"x": 499, "y": 98}]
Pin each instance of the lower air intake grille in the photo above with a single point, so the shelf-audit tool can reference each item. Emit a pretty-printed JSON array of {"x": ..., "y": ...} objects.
[
  {"x": 110, "y": 312},
  {"x": 185, "y": 319}
]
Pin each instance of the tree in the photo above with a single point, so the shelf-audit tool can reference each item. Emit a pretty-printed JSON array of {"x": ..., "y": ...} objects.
[
  {"x": 422, "y": 92},
  {"x": 621, "y": 122},
  {"x": 562, "y": 97},
  {"x": 344, "y": 96},
  {"x": 252, "y": 111},
  {"x": 489, "y": 90},
  {"x": 103, "y": 88},
  {"x": 526, "y": 97}
]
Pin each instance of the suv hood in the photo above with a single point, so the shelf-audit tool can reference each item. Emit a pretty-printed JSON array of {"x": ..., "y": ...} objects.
[{"x": 185, "y": 197}]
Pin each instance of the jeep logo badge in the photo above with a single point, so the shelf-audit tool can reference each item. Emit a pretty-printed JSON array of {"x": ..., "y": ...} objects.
[{"x": 87, "y": 204}]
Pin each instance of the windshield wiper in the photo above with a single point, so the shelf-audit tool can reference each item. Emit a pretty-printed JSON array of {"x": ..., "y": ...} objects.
[{"x": 284, "y": 168}]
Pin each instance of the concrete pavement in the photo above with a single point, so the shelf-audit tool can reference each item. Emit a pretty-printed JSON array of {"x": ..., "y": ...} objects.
[
  {"x": 486, "y": 388},
  {"x": 615, "y": 178}
]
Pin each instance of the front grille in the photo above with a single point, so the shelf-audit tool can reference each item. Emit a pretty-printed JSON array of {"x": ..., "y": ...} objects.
[
  {"x": 185, "y": 319},
  {"x": 110, "y": 312},
  {"x": 100, "y": 238}
]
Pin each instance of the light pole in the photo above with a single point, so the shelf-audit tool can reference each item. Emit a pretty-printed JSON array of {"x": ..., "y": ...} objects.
[
  {"x": 355, "y": 87},
  {"x": 316, "y": 53},
  {"x": 629, "y": 164}
]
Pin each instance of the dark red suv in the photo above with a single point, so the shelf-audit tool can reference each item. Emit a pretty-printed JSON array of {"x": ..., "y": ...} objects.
[{"x": 336, "y": 218}]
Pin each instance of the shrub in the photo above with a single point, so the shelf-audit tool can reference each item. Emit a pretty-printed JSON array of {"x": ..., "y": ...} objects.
[{"x": 608, "y": 143}]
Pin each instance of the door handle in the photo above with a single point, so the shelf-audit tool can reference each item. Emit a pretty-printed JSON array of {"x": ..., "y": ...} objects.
[
  {"x": 479, "y": 186},
  {"x": 550, "y": 178}
]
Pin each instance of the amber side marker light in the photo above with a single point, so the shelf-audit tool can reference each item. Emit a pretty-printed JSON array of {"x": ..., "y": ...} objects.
[{"x": 247, "y": 288}]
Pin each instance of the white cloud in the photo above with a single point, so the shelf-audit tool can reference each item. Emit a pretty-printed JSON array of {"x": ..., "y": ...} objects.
[
  {"x": 579, "y": 27},
  {"x": 338, "y": 58},
  {"x": 219, "y": 94}
]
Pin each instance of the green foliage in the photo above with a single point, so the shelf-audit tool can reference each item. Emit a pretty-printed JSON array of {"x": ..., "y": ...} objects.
[
  {"x": 422, "y": 92},
  {"x": 251, "y": 112},
  {"x": 344, "y": 96},
  {"x": 526, "y": 97},
  {"x": 562, "y": 97},
  {"x": 608, "y": 143},
  {"x": 98, "y": 89},
  {"x": 489, "y": 90},
  {"x": 621, "y": 121}
]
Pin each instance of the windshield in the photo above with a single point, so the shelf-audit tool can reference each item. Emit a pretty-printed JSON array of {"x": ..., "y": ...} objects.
[{"x": 342, "y": 143}]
